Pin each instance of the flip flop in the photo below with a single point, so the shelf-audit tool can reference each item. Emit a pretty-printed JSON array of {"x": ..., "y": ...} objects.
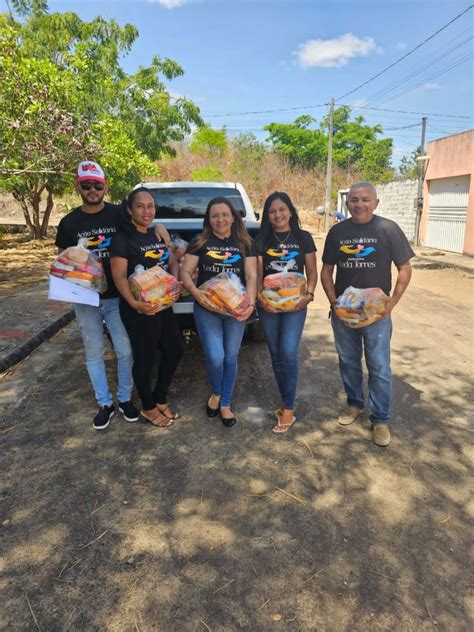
[
  {"x": 283, "y": 428},
  {"x": 157, "y": 418},
  {"x": 278, "y": 412},
  {"x": 167, "y": 412}
]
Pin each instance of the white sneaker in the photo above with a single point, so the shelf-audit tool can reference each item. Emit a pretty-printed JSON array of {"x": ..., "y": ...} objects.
[{"x": 349, "y": 415}]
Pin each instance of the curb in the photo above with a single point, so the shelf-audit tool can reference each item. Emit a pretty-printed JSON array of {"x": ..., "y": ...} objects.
[
  {"x": 30, "y": 345},
  {"x": 446, "y": 264}
]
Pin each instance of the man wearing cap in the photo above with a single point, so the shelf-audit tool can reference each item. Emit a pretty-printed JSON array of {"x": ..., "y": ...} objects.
[
  {"x": 363, "y": 249},
  {"x": 98, "y": 221}
]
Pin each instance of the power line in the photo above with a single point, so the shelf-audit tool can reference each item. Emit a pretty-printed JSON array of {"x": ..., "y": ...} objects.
[
  {"x": 442, "y": 57},
  {"x": 365, "y": 107},
  {"x": 301, "y": 107},
  {"x": 445, "y": 26},
  {"x": 453, "y": 64}
]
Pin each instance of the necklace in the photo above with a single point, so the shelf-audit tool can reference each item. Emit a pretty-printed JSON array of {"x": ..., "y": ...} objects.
[{"x": 282, "y": 241}]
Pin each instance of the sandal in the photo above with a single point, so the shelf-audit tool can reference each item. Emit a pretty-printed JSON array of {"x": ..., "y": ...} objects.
[
  {"x": 156, "y": 417},
  {"x": 283, "y": 428},
  {"x": 278, "y": 413},
  {"x": 167, "y": 412}
]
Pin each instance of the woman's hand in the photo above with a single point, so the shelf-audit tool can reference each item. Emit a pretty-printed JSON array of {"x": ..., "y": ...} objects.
[
  {"x": 266, "y": 305},
  {"x": 246, "y": 313},
  {"x": 303, "y": 302},
  {"x": 147, "y": 309},
  {"x": 203, "y": 299}
]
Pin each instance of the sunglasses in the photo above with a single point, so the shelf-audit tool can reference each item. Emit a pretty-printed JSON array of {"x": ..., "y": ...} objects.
[{"x": 87, "y": 186}]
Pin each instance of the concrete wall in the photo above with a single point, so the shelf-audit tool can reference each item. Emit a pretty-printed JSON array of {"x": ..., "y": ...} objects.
[
  {"x": 397, "y": 202},
  {"x": 449, "y": 157}
]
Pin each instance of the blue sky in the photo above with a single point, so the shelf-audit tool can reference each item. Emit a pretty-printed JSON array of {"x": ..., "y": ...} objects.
[{"x": 253, "y": 55}]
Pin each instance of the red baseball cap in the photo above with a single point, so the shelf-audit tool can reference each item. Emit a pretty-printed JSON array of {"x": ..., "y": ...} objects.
[{"x": 88, "y": 170}]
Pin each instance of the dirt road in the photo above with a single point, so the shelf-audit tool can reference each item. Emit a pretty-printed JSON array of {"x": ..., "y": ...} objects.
[{"x": 201, "y": 527}]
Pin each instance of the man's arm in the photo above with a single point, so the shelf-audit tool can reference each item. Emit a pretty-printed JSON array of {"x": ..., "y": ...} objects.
[
  {"x": 328, "y": 283},
  {"x": 403, "y": 279}
]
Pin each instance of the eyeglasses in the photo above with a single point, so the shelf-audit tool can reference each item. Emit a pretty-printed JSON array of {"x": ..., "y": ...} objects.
[{"x": 87, "y": 186}]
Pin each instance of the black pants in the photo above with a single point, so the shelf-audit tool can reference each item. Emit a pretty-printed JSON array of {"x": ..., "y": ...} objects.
[{"x": 149, "y": 334}]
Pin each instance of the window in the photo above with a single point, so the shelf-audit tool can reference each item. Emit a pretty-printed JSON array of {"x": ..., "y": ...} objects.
[{"x": 188, "y": 203}]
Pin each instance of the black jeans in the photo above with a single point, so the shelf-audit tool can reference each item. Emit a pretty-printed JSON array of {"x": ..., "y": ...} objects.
[{"x": 149, "y": 334}]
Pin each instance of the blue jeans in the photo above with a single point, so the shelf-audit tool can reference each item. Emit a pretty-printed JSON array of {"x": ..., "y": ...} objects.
[
  {"x": 374, "y": 342},
  {"x": 220, "y": 338},
  {"x": 90, "y": 322},
  {"x": 283, "y": 333}
]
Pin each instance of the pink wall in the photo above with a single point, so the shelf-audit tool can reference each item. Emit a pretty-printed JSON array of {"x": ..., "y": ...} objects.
[{"x": 451, "y": 156}]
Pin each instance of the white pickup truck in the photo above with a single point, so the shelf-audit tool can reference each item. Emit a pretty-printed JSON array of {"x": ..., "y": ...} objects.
[{"x": 181, "y": 206}]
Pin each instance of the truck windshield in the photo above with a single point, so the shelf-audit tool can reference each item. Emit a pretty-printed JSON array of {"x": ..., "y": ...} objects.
[{"x": 186, "y": 203}]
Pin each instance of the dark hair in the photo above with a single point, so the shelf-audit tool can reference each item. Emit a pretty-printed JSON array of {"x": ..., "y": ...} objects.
[
  {"x": 127, "y": 224},
  {"x": 238, "y": 230},
  {"x": 266, "y": 228}
]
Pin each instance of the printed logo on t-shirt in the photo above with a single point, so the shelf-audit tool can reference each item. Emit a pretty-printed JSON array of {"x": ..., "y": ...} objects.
[
  {"x": 359, "y": 248},
  {"x": 283, "y": 257},
  {"x": 99, "y": 242},
  {"x": 160, "y": 255},
  {"x": 225, "y": 258}
]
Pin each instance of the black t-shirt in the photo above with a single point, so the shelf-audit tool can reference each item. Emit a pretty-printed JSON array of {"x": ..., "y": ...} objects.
[
  {"x": 220, "y": 255},
  {"x": 285, "y": 251},
  {"x": 140, "y": 249},
  {"x": 363, "y": 253},
  {"x": 98, "y": 228}
]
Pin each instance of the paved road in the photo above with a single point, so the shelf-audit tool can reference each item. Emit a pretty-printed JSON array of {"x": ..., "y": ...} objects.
[{"x": 205, "y": 528}]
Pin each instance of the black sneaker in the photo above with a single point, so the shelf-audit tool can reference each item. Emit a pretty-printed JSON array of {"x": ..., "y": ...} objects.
[
  {"x": 103, "y": 417},
  {"x": 129, "y": 412}
]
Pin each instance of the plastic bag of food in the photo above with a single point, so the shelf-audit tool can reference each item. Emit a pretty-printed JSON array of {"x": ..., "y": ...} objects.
[
  {"x": 284, "y": 290},
  {"x": 178, "y": 246},
  {"x": 155, "y": 286},
  {"x": 360, "y": 307},
  {"x": 81, "y": 266},
  {"x": 228, "y": 294}
]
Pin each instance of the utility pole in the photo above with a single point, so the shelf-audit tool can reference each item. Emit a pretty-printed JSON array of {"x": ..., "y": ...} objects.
[
  {"x": 327, "y": 200},
  {"x": 421, "y": 174}
]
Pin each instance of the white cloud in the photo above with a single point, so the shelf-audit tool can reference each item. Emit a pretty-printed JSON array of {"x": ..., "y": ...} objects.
[
  {"x": 169, "y": 4},
  {"x": 334, "y": 53}
]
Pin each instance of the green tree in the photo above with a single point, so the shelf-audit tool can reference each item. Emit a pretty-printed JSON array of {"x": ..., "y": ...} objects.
[
  {"x": 303, "y": 146},
  {"x": 355, "y": 144},
  {"x": 210, "y": 142},
  {"x": 409, "y": 166},
  {"x": 65, "y": 97}
]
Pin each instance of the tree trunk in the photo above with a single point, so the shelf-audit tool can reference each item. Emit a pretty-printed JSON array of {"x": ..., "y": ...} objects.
[
  {"x": 47, "y": 213},
  {"x": 36, "y": 204}
]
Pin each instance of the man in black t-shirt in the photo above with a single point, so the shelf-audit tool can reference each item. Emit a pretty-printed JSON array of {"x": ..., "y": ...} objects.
[
  {"x": 363, "y": 248},
  {"x": 98, "y": 221}
]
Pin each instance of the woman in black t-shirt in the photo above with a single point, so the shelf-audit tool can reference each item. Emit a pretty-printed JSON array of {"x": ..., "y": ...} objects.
[
  {"x": 283, "y": 245},
  {"x": 148, "y": 329},
  {"x": 224, "y": 245}
]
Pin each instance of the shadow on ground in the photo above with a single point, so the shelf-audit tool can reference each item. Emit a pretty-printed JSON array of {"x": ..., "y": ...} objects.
[{"x": 204, "y": 528}]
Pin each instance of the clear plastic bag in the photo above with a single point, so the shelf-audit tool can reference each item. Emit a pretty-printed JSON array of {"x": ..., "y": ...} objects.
[
  {"x": 283, "y": 290},
  {"x": 360, "y": 307},
  {"x": 81, "y": 266},
  {"x": 228, "y": 294},
  {"x": 155, "y": 286},
  {"x": 178, "y": 246}
]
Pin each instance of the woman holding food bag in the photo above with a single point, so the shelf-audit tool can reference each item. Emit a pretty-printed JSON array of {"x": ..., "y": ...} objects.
[
  {"x": 287, "y": 277},
  {"x": 225, "y": 257},
  {"x": 145, "y": 311}
]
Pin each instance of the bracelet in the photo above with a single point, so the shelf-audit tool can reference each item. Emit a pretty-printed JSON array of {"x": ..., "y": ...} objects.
[{"x": 310, "y": 294}]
